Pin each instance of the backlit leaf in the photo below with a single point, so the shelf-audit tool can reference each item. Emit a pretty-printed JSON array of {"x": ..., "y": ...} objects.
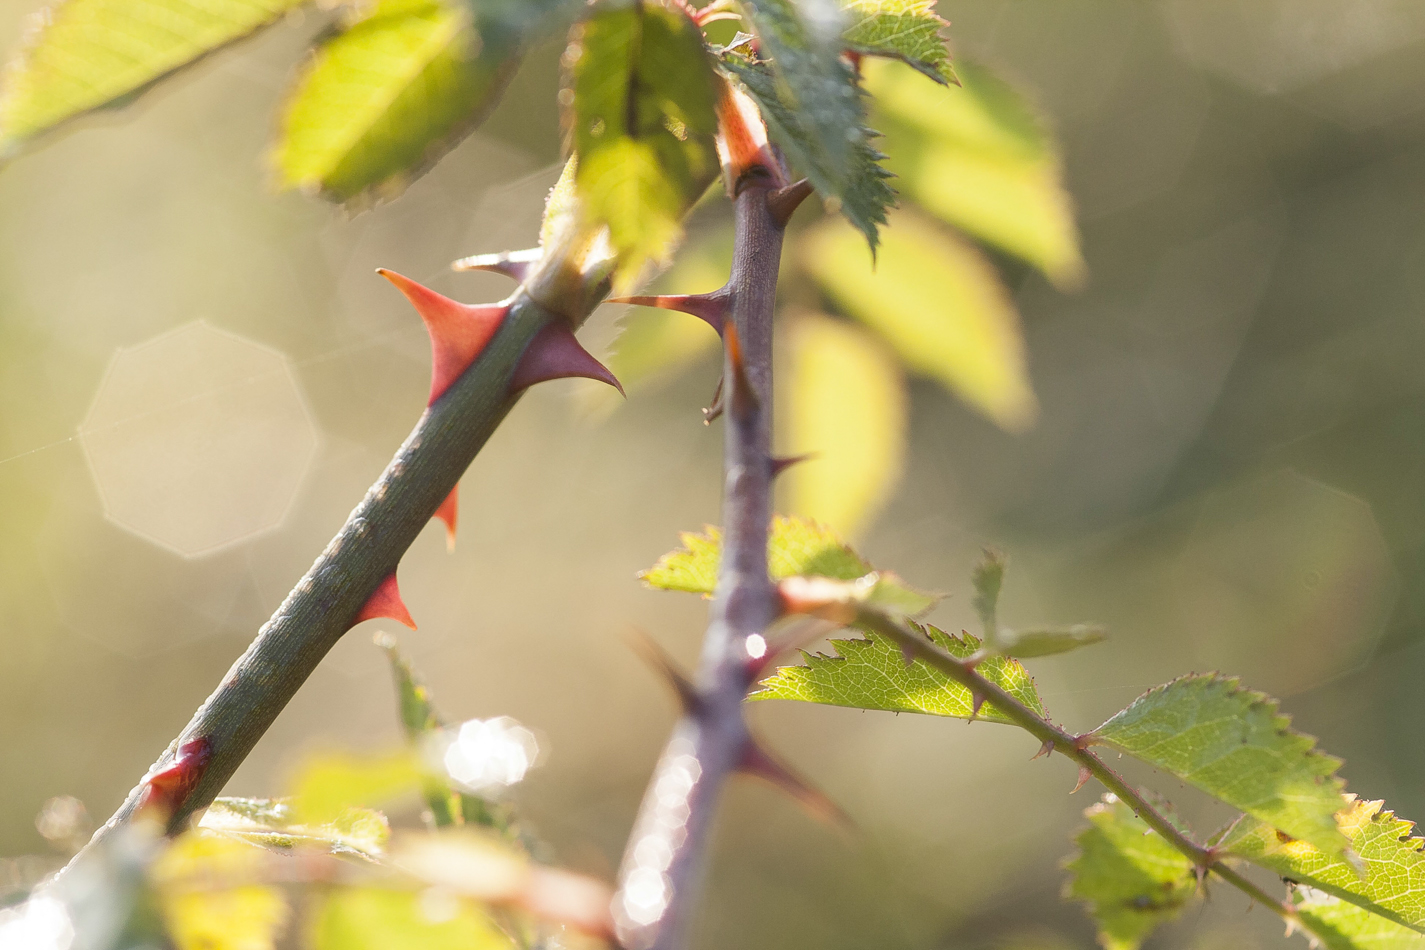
[
  {"x": 939, "y": 303},
  {"x": 272, "y": 823},
  {"x": 418, "y": 720},
  {"x": 385, "y": 97},
  {"x": 373, "y": 918},
  {"x": 328, "y": 786},
  {"x": 987, "y": 578},
  {"x": 1340, "y": 925},
  {"x": 872, "y": 674},
  {"x": 908, "y": 30},
  {"x": 795, "y": 547},
  {"x": 84, "y": 54},
  {"x": 846, "y": 405},
  {"x": 200, "y": 881},
  {"x": 881, "y": 592},
  {"x": 1233, "y": 744},
  {"x": 978, "y": 158},
  {"x": 1035, "y": 642},
  {"x": 1130, "y": 877},
  {"x": 1389, "y": 880}
]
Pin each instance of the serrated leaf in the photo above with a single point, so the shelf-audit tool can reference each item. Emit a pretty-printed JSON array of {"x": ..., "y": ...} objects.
[
  {"x": 1340, "y": 925},
  {"x": 795, "y": 547},
  {"x": 860, "y": 191},
  {"x": 908, "y": 30},
  {"x": 643, "y": 120},
  {"x": 1027, "y": 644},
  {"x": 939, "y": 303},
  {"x": 872, "y": 674},
  {"x": 373, "y": 918},
  {"x": 85, "y": 54},
  {"x": 978, "y": 158},
  {"x": 846, "y": 406},
  {"x": 1234, "y": 745},
  {"x": 1131, "y": 878},
  {"x": 384, "y": 98},
  {"x": 1389, "y": 879},
  {"x": 230, "y": 915},
  {"x": 271, "y": 823},
  {"x": 329, "y": 786}
]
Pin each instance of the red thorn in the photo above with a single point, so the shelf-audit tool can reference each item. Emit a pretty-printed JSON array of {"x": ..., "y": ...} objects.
[
  {"x": 446, "y": 513},
  {"x": 780, "y": 465},
  {"x": 170, "y": 785},
  {"x": 458, "y": 332},
  {"x": 784, "y": 201},
  {"x": 978, "y": 700},
  {"x": 744, "y": 400},
  {"x": 715, "y": 410},
  {"x": 742, "y": 143},
  {"x": 512, "y": 264},
  {"x": 655, "y": 656},
  {"x": 1084, "y": 775},
  {"x": 554, "y": 353},
  {"x": 711, "y": 308},
  {"x": 758, "y": 763},
  {"x": 907, "y": 654},
  {"x": 1046, "y": 749},
  {"x": 385, "y": 601}
]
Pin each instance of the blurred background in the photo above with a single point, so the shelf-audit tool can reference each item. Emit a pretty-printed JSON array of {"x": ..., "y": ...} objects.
[{"x": 1228, "y": 470}]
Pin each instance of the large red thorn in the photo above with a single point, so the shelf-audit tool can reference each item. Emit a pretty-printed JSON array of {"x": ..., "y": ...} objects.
[
  {"x": 757, "y": 762},
  {"x": 170, "y": 785},
  {"x": 554, "y": 353},
  {"x": 711, "y": 308},
  {"x": 512, "y": 264},
  {"x": 458, "y": 332},
  {"x": 446, "y": 513},
  {"x": 385, "y": 601}
]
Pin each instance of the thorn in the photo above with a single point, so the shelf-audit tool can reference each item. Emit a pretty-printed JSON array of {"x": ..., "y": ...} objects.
[
  {"x": 758, "y": 763},
  {"x": 661, "y": 662},
  {"x": 780, "y": 465},
  {"x": 744, "y": 400},
  {"x": 742, "y": 145},
  {"x": 784, "y": 201},
  {"x": 554, "y": 353},
  {"x": 170, "y": 785},
  {"x": 446, "y": 513},
  {"x": 458, "y": 332},
  {"x": 1084, "y": 776},
  {"x": 907, "y": 654},
  {"x": 979, "y": 702},
  {"x": 385, "y": 601},
  {"x": 711, "y": 308},
  {"x": 512, "y": 264},
  {"x": 1200, "y": 870},
  {"x": 715, "y": 410},
  {"x": 1046, "y": 749}
]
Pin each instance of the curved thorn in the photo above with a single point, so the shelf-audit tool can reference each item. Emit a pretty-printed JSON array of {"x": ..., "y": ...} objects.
[
  {"x": 458, "y": 332},
  {"x": 656, "y": 657},
  {"x": 711, "y": 308},
  {"x": 715, "y": 410},
  {"x": 170, "y": 785},
  {"x": 780, "y": 465},
  {"x": 447, "y": 513},
  {"x": 979, "y": 702},
  {"x": 512, "y": 264},
  {"x": 1084, "y": 775},
  {"x": 757, "y": 762},
  {"x": 554, "y": 353},
  {"x": 1044, "y": 750},
  {"x": 385, "y": 601},
  {"x": 744, "y": 399},
  {"x": 784, "y": 201}
]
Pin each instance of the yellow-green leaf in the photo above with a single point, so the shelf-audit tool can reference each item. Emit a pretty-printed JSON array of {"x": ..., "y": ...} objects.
[
  {"x": 210, "y": 901},
  {"x": 1341, "y": 925},
  {"x": 271, "y": 823},
  {"x": 977, "y": 157},
  {"x": 372, "y": 918},
  {"x": 84, "y": 54},
  {"x": 908, "y": 30},
  {"x": 939, "y": 303},
  {"x": 328, "y": 786}
]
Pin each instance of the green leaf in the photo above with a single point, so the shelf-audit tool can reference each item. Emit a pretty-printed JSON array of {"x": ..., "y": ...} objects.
[
  {"x": 872, "y": 674},
  {"x": 233, "y": 915},
  {"x": 978, "y": 158},
  {"x": 908, "y": 30},
  {"x": 1233, "y": 744},
  {"x": 374, "y": 918},
  {"x": 846, "y": 407},
  {"x": 382, "y": 99},
  {"x": 329, "y": 786},
  {"x": 643, "y": 118},
  {"x": 419, "y": 719},
  {"x": 987, "y": 578},
  {"x": 881, "y": 592},
  {"x": 1131, "y": 878},
  {"x": 1389, "y": 879},
  {"x": 795, "y": 547},
  {"x": 85, "y": 54},
  {"x": 860, "y": 191},
  {"x": 1340, "y": 925},
  {"x": 939, "y": 303},
  {"x": 1027, "y": 644},
  {"x": 272, "y": 823}
]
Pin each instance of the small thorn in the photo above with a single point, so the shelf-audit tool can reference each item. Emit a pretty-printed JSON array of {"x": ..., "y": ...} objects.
[
  {"x": 447, "y": 513},
  {"x": 711, "y": 308},
  {"x": 512, "y": 264},
  {"x": 170, "y": 785},
  {"x": 658, "y": 658},
  {"x": 784, "y": 201},
  {"x": 907, "y": 654},
  {"x": 1044, "y": 750},
  {"x": 757, "y": 762},
  {"x": 385, "y": 601},
  {"x": 554, "y": 353},
  {"x": 1201, "y": 871},
  {"x": 458, "y": 332},
  {"x": 978, "y": 704},
  {"x": 1084, "y": 775},
  {"x": 715, "y": 410},
  {"x": 744, "y": 399},
  {"x": 780, "y": 465}
]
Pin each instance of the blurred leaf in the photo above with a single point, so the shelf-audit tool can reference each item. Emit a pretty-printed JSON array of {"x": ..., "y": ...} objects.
[
  {"x": 207, "y": 904},
  {"x": 1389, "y": 881},
  {"x": 978, "y": 158},
  {"x": 84, "y": 54},
  {"x": 795, "y": 546},
  {"x": 860, "y": 190},
  {"x": 643, "y": 122},
  {"x": 475, "y": 865},
  {"x": 329, "y": 786},
  {"x": 872, "y": 674},
  {"x": 385, "y": 97},
  {"x": 1339, "y": 925},
  {"x": 1233, "y": 744},
  {"x": 1026, "y": 644},
  {"x": 939, "y": 303},
  {"x": 419, "y": 719},
  {"x": 371, "y": 918},
  {"x": 908, "y": 30},
  {"x": 846, "y": 405},
  {"x": 270, "y": 823},
  {"x": 1131, "y": 878},
  {"x": 987, "y": 578}
]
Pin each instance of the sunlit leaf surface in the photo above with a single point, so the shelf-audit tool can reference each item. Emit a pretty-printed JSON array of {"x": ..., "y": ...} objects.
[
  {"x": 795, "y": 547},
  {"x": 908, "y": 30},
  {"x": 329, "y": 785},
  {"x": 939, "y": 303},
  {"x": 1340, "y": 925},
  {"x": 1233, "y": 744},
  {"x": 272, "y": 823},
  {"x": 84, "y": 54},
  {"x": 374, "y": 918},
  {"x": 205, "y": 889}
]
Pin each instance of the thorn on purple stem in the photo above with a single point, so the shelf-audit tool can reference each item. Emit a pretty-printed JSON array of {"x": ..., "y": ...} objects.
[
  {"x": 554, "y": 353},
  {"x": 711, "y": 308},
  {"x": 1044, "y": 750},
  {"x": 757, "y": 762},
  {"x": 784, "y": 201},
  {"x": 780, "y": 465},
  {"x": 714, "y": 410},
  {"x": 743, "y": 401},
  {"x": 1084, "y": 775},
  {"x": 515, "y": 265},
  {"x": 656, "y": 657}
]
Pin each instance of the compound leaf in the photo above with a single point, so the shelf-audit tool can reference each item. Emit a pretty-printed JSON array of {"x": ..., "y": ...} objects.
[
  {"x": 872, "y": 674},
  {"x": 1130, "y": 877},
  {"x": 1234, "y": 745},
  {"x": 1389, "y": 879},
  {"x": 85, "y": 54},
  {"x": 1340, "y": 925},
  {"x": 795, "y": 547},
  {"x": 908, "y": 30},
  {"x": 272, "y": 823}
]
